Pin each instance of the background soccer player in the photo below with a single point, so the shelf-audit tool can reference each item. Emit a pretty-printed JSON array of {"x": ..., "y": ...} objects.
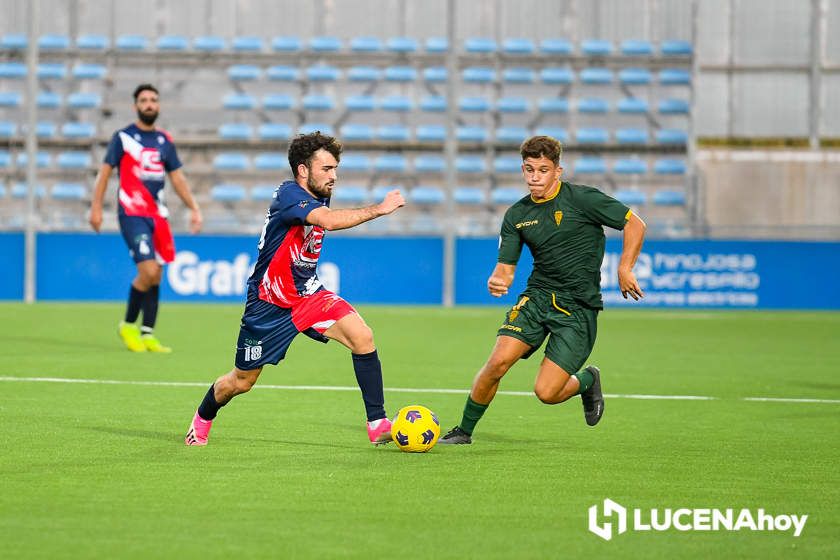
[
  {"x": 144, "y": 155},
  {"x": 285, "y": 296},
  {"x": 562, "y": 225}
]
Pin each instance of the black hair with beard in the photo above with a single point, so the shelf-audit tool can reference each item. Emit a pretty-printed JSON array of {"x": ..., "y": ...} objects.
[{"x": 304, "y": 146}]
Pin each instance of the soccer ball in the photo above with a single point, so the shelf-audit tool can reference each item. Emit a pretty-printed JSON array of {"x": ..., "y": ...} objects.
[{"x": 415, "y": 429}]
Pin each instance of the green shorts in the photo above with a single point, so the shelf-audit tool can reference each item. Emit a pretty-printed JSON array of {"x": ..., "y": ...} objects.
[{"x": 570, "y": 328}]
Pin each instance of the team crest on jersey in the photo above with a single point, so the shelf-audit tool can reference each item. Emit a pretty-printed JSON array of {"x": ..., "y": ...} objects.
[
  {"x": 558, "y": 217},
  {"x": 303, "y": 203}
]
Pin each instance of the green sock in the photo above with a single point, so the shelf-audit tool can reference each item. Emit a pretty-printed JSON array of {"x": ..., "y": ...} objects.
[
  {"x": 472, "y": 414},
  {"x": 586, "y": 380}
]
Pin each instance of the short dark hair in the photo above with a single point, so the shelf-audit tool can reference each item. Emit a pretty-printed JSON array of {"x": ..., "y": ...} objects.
[
  {"x": 542, "y": 146},
  {"x": 142, "y": 88},
  {"x": 304, "y": 146}
]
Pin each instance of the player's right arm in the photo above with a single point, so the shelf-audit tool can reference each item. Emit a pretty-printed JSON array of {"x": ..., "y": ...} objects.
[
  {"x": 501, "y": 279},
  {"x": 351, "y": 217},
  {"x": 99, "y": 189},
  {"x": 510, "y": 247}
]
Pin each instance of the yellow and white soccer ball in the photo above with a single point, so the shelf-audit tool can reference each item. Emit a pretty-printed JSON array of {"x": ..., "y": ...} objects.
[{"x": 415, "y": 429}]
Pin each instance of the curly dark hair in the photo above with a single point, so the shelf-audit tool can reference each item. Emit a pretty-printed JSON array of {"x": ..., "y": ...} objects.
[
  {"x": 144, "y": 87},
  {"x": 539, "y": 146},
  {"x": 304, "y": 146}
]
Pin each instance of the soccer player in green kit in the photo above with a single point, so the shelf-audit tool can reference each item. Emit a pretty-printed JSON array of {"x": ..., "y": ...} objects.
[{"x": 562, "y": 224}]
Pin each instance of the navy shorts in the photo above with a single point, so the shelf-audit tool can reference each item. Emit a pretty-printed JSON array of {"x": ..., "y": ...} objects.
[{"x": 138, "y": 232}]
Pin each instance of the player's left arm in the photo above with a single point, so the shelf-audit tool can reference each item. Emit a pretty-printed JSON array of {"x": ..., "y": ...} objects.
[
  {"x": 634, "y": 236},
  {"x": 182, "y": 188}
]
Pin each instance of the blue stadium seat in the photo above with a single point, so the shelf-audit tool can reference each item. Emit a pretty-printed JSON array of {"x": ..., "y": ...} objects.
[
  {"x": 556, "y": 75},
  {"x": 69, "y": 191},
  {"x": 286, "y": 44},
  {"x": 479, "y": 75},
  {"x": 52, "y": 42},
  {"x": 230, "y": 161},
  {"x": 480, "y": 45},
  {"x": 519, "y": 75},
  {"x": 474, "y": 104},
  {"x": 209, "y": 43},
  {"x": 244, "y": 72},
  {"x": 430, "y": 133},
  {"x": 631, "y": 136},
  {"x": 280, "y": 73},
  {"x": 596, "y": 76},
  {"x": 19, "y": 190},
  {"x": 7, "y": 129},
  {"x": 356, "y": 132},
  {"x": 366, "y": 44},
  {"x": 669, "y": 167},
  {"x": 390, "y": 163},
  {"x": 556, "y": 132},
  {"x": 673, "y": 107},
  {"x": 593, "y": 105},
  {"x": 364, "y": 74},
  {"x": 437, "y": 45},
  {"x": 10, "y": 99},
  {"x": 400, "y": 74},
  {"x": 512, "y": 105},
  {"x": 2, "y": 191},
  {"x": 518, "y": 46},
  {"x": 470, "y": 164},
  {"x": 92, "y": 42},
  {"x": 78, "y": 130},
  {"x": 556, "y": 46},
  {"x": 632, "y": 105},
  {"x": 590, "y": 166},
  {"x": 51, "y": 71},
  {"x": 469, "y": 196},
  {"x": 310, "y": 127},
  {"x": 263, "y": 192},
  {"x": 424, "y": 224},
  {"x": 630, "y": 197},
  {"x": 74, "y": 160},
  {"x": 433, "y": 104},
  {"x": 675, "y": 48},
  {"x": 355, "y": 162},
  {"x": 236, "y": 131},
  {"x": 636, "y": 47},
  {"x": 669, "y": 198},
  {"x": 318, "y": 102},
  {"x": 396, "y": 103},
  {"x": 360, "y": 102},
  {"x": 323, "y": 73},
  {"x": 674, "y": 77},
  {"x": 351, "y": 194},
  {"x": 553, "y": 105},
  {"x": 247, "y": 43},
  {"x": 671, "y": 136},
  {"x": 511, "y": 134},
  {"x": 48, "y": 100},
  {"x": 278, "y": 102},
  {"x": 634, "y": 76},
  {"x": 471, "y": 134},
  {"x": 89, "y": 71},
  {"x": 435, "y": 74},
  {"x": 274, "y": 131},
  {"x": 507, "y": 164},
  {"x": 269, "y": 161},
  {"x": 506, "y": 196},
  {"x": 13, "y": 41},
  {"x": 393, "y": 133},
  {"x": 630, "y": 166},
  {"x": 596, "y": 47},
  {"x": 13, "y": 70},
  {"x": 239, "y": 101},
  {"x": 131, "y": 43},
  {"x": 402, "y": 44},
  {"x": 5, "y": 159},
  {"x": 429, "y": 164},
  {"x": 83, "y": 100},
  {"x": 592, "y": 135},
  {"x": 325, "y": 44},
  {"x": 426, "y": 195},
  {"x": 45, "y": 129},
  {"x": 227, "y": 192},
  {"x": 172, "y": 43}
]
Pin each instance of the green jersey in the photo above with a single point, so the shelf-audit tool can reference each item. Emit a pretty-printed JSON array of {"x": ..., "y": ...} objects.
[{"x": 566, "y": 237}]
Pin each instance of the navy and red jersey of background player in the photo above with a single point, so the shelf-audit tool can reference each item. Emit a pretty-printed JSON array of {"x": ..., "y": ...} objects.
[
  {"x": 143, "y": 159},
  {"x": 289, "y": 248}
]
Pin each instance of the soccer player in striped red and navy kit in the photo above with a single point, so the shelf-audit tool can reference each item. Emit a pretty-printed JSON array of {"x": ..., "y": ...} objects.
[
  {"x": 144, "y": 155},
  {"x": 285, "y": 296}
]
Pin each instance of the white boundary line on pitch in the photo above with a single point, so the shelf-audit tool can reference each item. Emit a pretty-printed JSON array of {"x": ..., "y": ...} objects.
[{"x": 399, "y": 390}]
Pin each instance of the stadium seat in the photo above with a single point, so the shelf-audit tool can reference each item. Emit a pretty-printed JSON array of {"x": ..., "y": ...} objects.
[
  {"x": 512, "y": 105},
  {"x": 69, "y": 191},
  {"x": 480, "y": 45},
  {"x": 634, "y": 76},
  {"x": 396, "y": 103},
  {"x": 356, "y": 132},
  {"x": 325, "y": 44},
  {"x": 51, "y": 71},
  {"x": 286, "y": 44},
  {"x": 469, "y": 196},
  {"x": 236, "y": 131},
  {"x": 323, "y": 73},
  {"x": 506, "y": 196},
  {"x": 474, "y": 104},
  {"x": 673, "y": 107},
  {"x": 632, "y": 105},
  {"x": 274, "y": 131},
  {"x": 350, "y": 194},
  {"x": 355, "y": 162},
  {"x": 247, "y": 43},
  {"x": 556, "y": 46},
  {"x": 429, "y": 164},
  {"x": 671, "y": 136},
  {"x": 281, "y": 73},
  {"x": 45, "y": 129},
  {"x": 471, "y": 134},
  {"x": 172, "y": 43},
  {"x": 227, "y": 193},
  {"x": 131, "y": 43},
  {"x": 263, "y": 192},
  {"x": 636, "y": 47},
  {"x": 630, "y": 197},
  {"x": 74, "y": 160},
  {"x": 479, "y": 75},
  {"x": 674, "y": 77},
  {"x": 244, "y": 72},
  {"x": 631, "y": 136},
  {"x": 48, "y": 100},
  {"x": 592, "y": 135},
  {"x": 278, "y": 102},
  {"x": 426, "y": 195},
  {"x": 470, "y": 164},
  {"x": 518, "y": 46},
  {"x": 593, "y": 105},
  {"x": 675, "y": 48},
  {"x": 590, "y": 166},
  {"x": 230, "y": 161},
  {"x": 19, "y": 190},
  {"x": 437, "y": 45},
  {"x": 433, "y": 104},
  {"x": 393, "y": 133},
  {"x": 270, "y": 161},
  {"x": 435, "y": 74},
  {"x": 209, "y": 43},
  {"x": 239, "y": 102},
  {"x": 92, "y": 42},
  {"x": 555, "y": 132},
  {"x": 554, "y": 75},
  {"x": 364, "y": 74},
  {"x": 7, "y": 129},
  {"x": 507, "y": 164},
  {"x": 390, "y": 163},
  {"x": 596, "y": 76},
  {"x": 318, "y": 102},
  {"x": 400, "y": 74},
  {"x": 10, "y": 99},
  {"x": 80, "y": 130},
  {"x": 425, "y": 224},
  {"x": 89, "y": 71},
  {"x": 669, "y": 198},
  {"x": 12, "y": 70},
  {"x": 310, "y": 127},
  {"x": 52, "y": 42},
  {"x": 360, "y": 102},
  {"x": 402, "y": 45},
  {"x": 366, "y": 44},
  {"x": 669, "y": 167},
  {"x": 511, "y": 134},
  {"x": 519, "y": 75},
  {"x": 630, "y": 166},
  {"x": 430, "y": 133},
  {"x": 596, "y": 47},
  {"x": 13, "y": 42},
  {"x": 5, "y": 159}
]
